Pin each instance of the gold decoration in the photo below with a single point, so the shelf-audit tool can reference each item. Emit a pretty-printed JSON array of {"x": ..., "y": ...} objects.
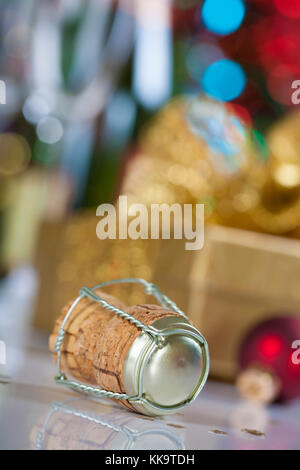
[
  {"x": 181, "y": 157},
  {"x": 198, "y": 151}
]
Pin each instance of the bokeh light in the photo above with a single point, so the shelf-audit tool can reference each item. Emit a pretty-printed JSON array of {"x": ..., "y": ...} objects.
[
  {"x": 14, "y": 154},
  {"x": 279, "y": 83},
  {"x": 38, "y": 105},
  {"x": 17, "y": 41},
  {"x": 287, "y": 175},
  {"x": 152, "y": 81},
  {"x": 290, "y": 8},
  {"x": 223, "y": 17},
  {"x": 271, "y": 346},
  {"x": 50, "y": 130},
  {"x": 224, "y": 80},
  {"x": 200, "y": 56},
  {"x": 280, "y": 50}
]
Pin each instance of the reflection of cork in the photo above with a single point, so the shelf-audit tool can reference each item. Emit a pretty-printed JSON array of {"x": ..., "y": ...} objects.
[
  {"x": 80, "y": 425},
  {"x": 97, "y": 341},
  {"x": 66, "y": 431}
]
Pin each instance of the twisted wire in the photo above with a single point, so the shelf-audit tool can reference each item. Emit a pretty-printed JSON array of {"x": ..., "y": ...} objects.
[
  {"x": 89, "y": 293},
  {"x": 80, "y": 387},
  {"x": 81, "y": 414},
  {"x": 59, "y": 340}
]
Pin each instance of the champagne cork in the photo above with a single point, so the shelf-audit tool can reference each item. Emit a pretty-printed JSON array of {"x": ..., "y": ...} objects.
[{"x": 101, "y": 348}]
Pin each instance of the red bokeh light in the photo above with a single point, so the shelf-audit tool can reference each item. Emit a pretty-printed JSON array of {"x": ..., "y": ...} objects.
[
  {"x": 280, "y": 50},
  {"x": 279, "y": 84},
  {"x": 271, "y": 346},
  {"x": 290, "y": 8}
]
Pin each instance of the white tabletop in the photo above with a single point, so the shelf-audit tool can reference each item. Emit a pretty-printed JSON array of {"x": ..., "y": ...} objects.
[{"x": 35, "y": 412}]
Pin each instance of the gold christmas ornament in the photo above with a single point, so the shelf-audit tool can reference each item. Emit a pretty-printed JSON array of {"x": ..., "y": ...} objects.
[
  {"x": 278, "y": 210},
  {"x": 190, "y": 153},
  {"x": 197, "y": 150},
  {"x": 266, "y": 199},
  {"x": 284, "y": 139},
  {"x": 277, "y": 182},
  {"x": 282, "y": 189}
]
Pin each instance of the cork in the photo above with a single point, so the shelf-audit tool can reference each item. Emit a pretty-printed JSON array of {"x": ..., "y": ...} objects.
[
  {"x": 83, "y": 329},
  {"x": 97, "y": 341}
]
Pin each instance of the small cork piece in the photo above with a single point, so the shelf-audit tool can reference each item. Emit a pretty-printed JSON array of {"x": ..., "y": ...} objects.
[
  {"x": 218, "y": 432},
  {"x": 97, "y": 341},
  {"x": 254, "y": 432}
]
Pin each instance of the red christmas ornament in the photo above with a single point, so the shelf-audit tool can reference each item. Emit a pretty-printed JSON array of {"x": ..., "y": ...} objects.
[{"x": 272, "y": 348}]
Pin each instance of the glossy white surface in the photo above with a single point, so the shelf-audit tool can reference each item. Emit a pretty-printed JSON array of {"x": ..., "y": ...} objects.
[{"x": 78, "y": 423}]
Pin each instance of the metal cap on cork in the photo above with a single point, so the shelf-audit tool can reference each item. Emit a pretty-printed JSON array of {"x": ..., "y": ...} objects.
[{"x": 175, "y": 370}]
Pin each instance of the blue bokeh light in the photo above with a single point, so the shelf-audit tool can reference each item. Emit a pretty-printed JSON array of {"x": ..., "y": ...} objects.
[
  {"x": 223, "y": 16},
  {"x": 224, "y": 80}
]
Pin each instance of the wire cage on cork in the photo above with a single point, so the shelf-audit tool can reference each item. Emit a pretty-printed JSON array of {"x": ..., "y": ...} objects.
[{"x": 158, "y": 339}]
